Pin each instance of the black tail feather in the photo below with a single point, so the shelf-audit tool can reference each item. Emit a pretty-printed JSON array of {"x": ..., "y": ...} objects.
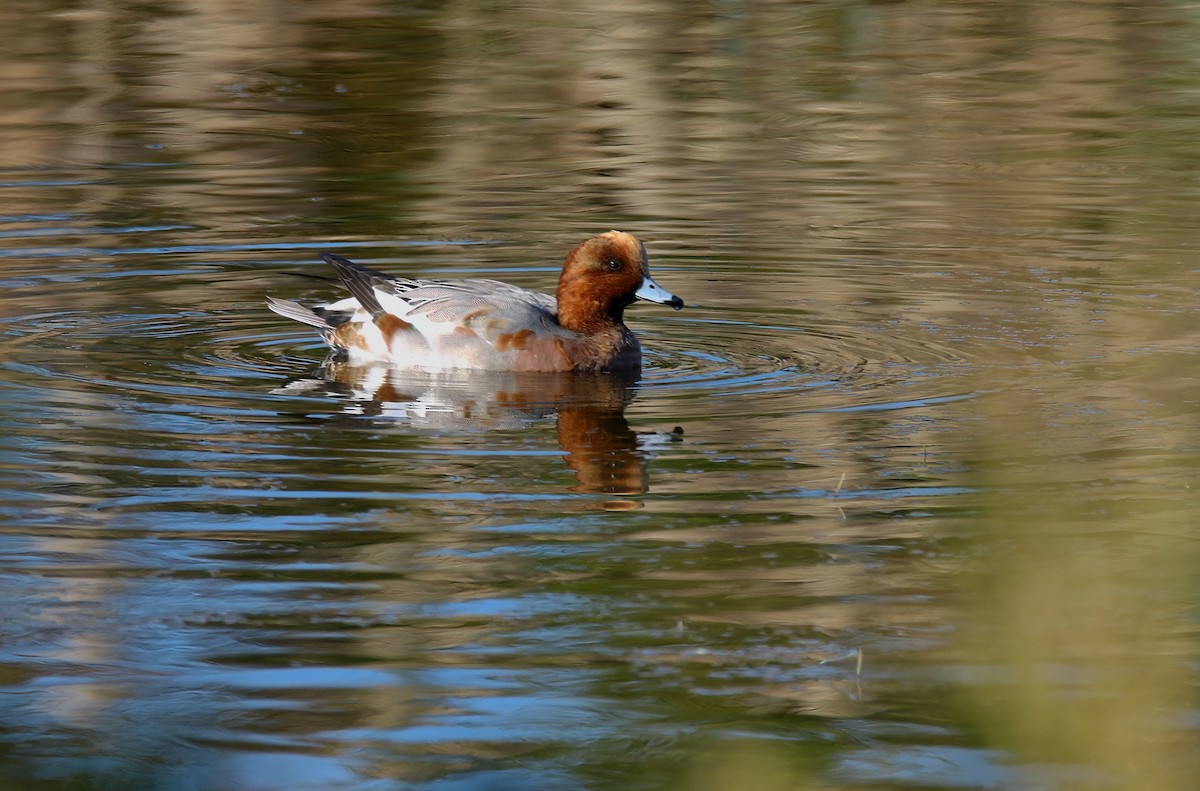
[
  {"x": 358, "y": 280},
  {"x": 337, "y": 281}
]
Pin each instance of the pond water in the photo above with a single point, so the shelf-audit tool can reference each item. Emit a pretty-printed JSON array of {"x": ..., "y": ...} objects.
[{"x": 904, "y": 498}]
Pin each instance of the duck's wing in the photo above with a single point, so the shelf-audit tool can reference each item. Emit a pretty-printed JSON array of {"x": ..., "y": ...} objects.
[
  {"x": 368, "y": 285},
  {"x": 476, "y": 323},
  {"x": 474, "y": 304}
]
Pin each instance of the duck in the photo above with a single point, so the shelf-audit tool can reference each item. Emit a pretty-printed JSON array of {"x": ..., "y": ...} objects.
[{"x": 488, "y": 324}]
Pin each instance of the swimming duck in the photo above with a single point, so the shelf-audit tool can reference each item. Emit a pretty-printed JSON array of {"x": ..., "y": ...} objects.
[{"x": 490, "y": 325}]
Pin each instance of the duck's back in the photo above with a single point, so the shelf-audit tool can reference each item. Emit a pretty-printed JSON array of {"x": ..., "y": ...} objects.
[{"x": 484, "y": 324}]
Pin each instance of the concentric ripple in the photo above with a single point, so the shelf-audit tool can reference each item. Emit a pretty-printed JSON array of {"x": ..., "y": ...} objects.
[
  {"x": 205, "y": 354},
  {"x": 188, "y": 381},
  {"x": 831, "y": 366}
]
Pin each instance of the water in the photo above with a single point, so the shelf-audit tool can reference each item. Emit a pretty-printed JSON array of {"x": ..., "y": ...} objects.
[{"x": 905, "y": 498}]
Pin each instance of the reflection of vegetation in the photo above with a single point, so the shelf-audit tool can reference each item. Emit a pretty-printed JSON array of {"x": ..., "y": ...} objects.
[{"x": 1075, "y": 642}]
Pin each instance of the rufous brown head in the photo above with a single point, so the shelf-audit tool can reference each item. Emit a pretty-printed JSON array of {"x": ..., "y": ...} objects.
[{"x": 601, "y": 277}]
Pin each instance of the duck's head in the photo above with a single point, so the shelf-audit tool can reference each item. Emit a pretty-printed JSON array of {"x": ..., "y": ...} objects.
[{"x": 601, "y": 277}]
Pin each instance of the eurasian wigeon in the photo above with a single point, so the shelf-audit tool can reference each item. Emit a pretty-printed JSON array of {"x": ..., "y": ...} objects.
[{"x": 486, "y": 324}]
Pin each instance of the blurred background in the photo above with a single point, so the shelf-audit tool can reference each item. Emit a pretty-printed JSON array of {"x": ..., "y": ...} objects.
[{"x": 906, "y": 498}]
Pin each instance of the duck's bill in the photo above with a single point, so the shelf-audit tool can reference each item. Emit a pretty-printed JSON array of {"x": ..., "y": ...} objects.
[{"x": 653, "y": 292}]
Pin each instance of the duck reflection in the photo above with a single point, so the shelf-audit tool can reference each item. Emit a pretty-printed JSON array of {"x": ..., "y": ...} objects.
[{"x": 605, "y": 455}]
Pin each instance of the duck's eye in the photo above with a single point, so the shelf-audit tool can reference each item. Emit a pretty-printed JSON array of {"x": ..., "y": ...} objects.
[{"x": 613, "y": 265}]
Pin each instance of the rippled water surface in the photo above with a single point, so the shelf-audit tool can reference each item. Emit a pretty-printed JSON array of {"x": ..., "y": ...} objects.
[{"x": 904, "y": 498}]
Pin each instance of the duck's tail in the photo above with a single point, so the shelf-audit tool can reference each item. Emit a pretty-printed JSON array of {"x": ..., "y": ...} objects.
[
  {"x": 360, "y": 281},
  {"x": 297, "y": 312}
]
